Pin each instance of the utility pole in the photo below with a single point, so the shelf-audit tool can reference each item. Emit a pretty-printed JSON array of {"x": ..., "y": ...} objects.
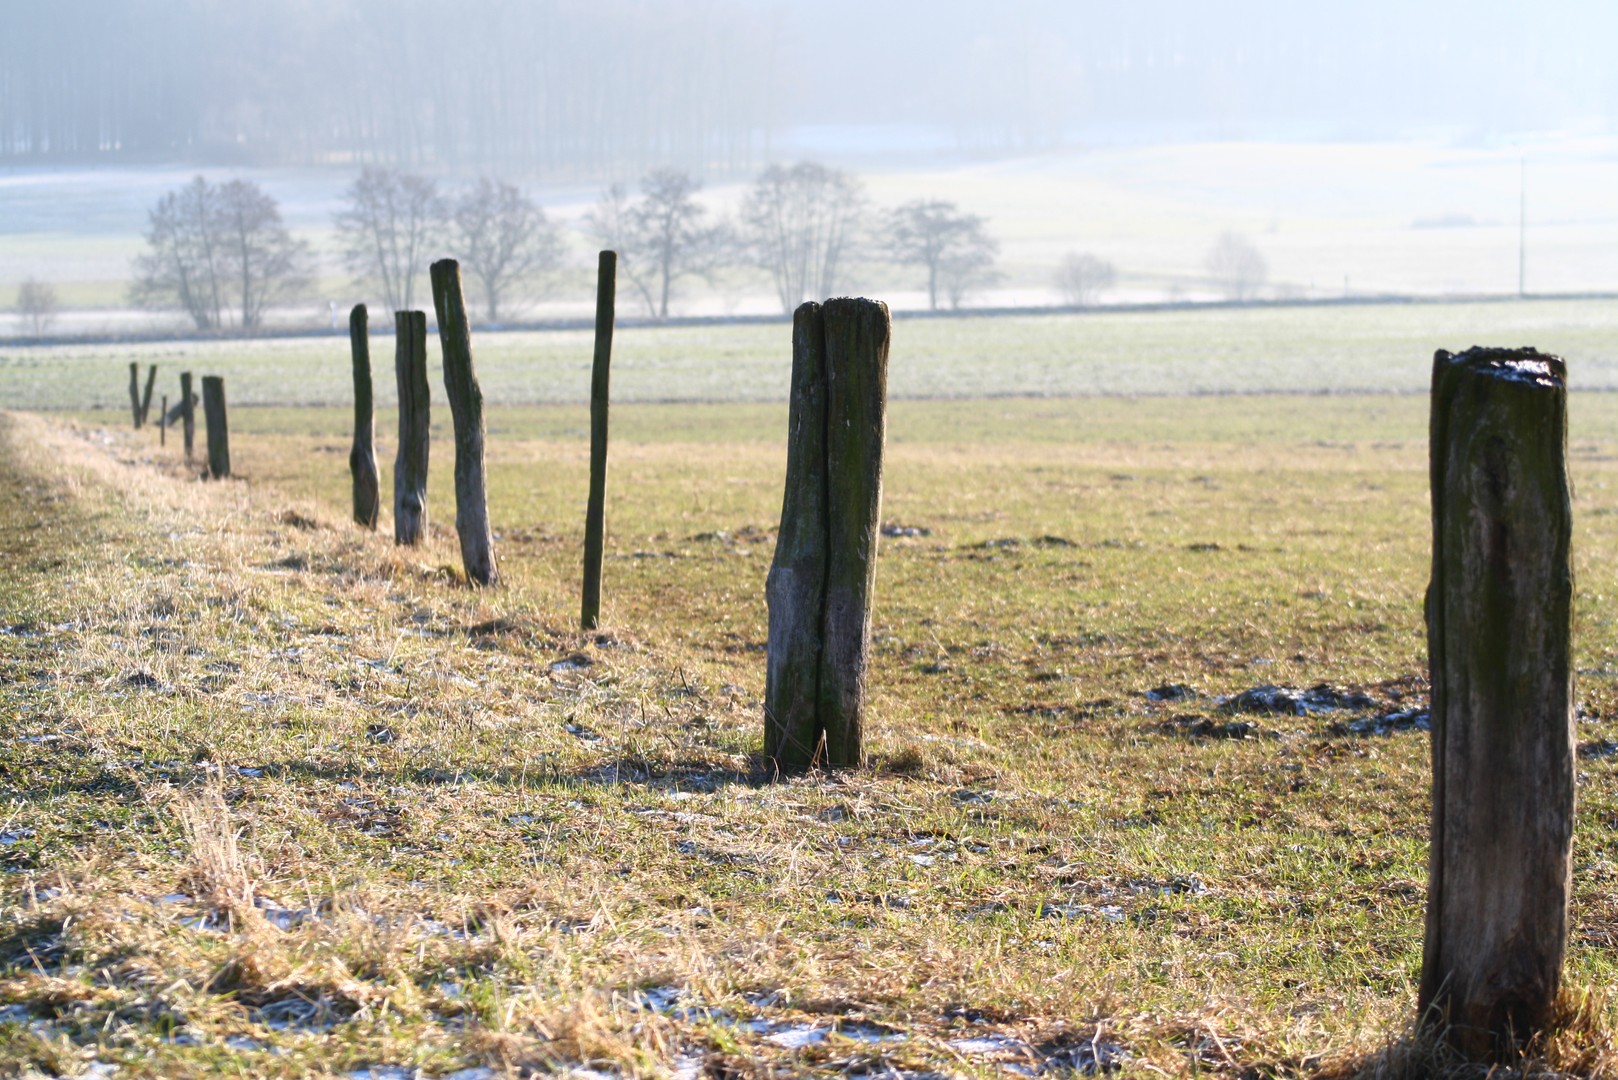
[{"x": 1522, "y": 227}]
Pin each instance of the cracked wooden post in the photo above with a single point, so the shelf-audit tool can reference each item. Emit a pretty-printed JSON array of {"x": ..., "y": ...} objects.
[
  {"x": 1499, "y": 642},
  {"x": 146, "y": 398},
  {"x": 362, "y": 456},
  {"x": 134, "y": 392},
  {"x": 410, "y": 463},
  {"x": 213, "y": 412},
  {"x": 466, "y": 410},
  {"x": 595, "y": 514},
  {"x": 188, "y": 415},
  {"x": 822, "y": 580},
  {"x": 163, "y": 422},
  {"x": 795, "y": 590}
]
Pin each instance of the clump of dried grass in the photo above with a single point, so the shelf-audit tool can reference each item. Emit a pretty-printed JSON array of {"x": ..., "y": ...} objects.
[{"x": 1576, "y": 1043}]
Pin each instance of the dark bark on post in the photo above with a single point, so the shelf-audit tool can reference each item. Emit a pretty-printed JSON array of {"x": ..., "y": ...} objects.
[
  {"x": 213, "y": 410},
  {"x": 163, "y": 422},
  {"x": 466, "y": 409},
  {"x": 362, "y": 456},
  {"x": 795, "y": 591},
  {"x": 146, "y": 398},
  {"x": 822, "y": 580},
  {"x": 134, "y": 393},
  {"x": 1500, "y": 645},
  {"x": 410, "y": 464},
  {"x": 857, "y": 333},
  {"x": 188, "y": 402},
  {"x": 595, "y": 514}
]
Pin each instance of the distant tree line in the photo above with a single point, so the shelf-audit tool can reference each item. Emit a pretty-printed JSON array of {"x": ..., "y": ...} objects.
[{"x": 575, "y": 89}]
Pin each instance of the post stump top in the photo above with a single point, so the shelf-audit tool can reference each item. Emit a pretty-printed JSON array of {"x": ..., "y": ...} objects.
[{"x": 1525, "y": 365}]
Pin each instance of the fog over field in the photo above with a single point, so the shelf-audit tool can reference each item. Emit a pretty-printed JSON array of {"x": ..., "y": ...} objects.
[{"x": 1389, "y": 148}]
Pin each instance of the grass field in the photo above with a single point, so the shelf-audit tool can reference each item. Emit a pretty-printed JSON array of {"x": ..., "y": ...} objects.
[
  {"x": 286, "y": 801},
  {"x": 1354, "y": 349}
]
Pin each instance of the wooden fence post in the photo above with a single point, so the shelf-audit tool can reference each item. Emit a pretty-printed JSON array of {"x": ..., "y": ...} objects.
[
  {"x": 134, "y": 392},
  {"x": 362, "y": 457},
  {"x": 595, "y": 514},
  {"x": 163, "y": 422},
  {"x": 795, "y": 590},
  {"x": 822, "y": 580},
  {"x": 213, "y": 411},
  {"x": 188, "y": 414},
  {"x": 410, "y": 464},
  {"x": 466, "y": 410},
  {"x": 146, "y": 398},
  {"x": 1499, "y": 642}
]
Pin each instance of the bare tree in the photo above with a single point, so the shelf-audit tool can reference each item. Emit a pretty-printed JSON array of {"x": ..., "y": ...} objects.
[
  {"x": 661, "y": 238},
  {"x": 953, "y": 247},
  {"x": 800, "y": 223},
  {"x": 266, "y": 263},
  {"x": 36, "y": 303},
  {"x": 184, "y": 265},
  {"x": 957, "y": 251},
  {"x": 1082, "y": 277},
  {"x": 1236, "y": 265},
  {"x": 390, "y": 219},
  {"x": 214, "y": 249},
  {"x": 503, "y": 238}
]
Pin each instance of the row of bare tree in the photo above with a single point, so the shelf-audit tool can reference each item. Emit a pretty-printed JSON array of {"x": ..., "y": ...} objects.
[{"x": 222, "y": 254}]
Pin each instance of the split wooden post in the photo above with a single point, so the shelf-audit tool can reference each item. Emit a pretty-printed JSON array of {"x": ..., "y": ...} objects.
[
  {"x": 134, "y": 392},
  {"x": 1499, "y": 639},
  {"x": 213, "y": 411},
  {"x": 163, "y": 422},
  {"x": 466, "y": 410},
  {"x": 146, "y": 398},
  {"x": 410, "y": 464},
  {"x": 822, "y": 580},
  {"x": 595, "y": 514},
  {"x": 188, "y": 415},
  {"x": 362, "y": 456}
]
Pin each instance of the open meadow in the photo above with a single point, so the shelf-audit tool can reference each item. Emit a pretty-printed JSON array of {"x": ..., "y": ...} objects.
[{"x": 282, "y": 799}]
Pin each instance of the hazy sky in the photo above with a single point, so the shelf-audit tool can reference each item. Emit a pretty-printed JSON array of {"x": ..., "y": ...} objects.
[{"x": 590, "y": 87}]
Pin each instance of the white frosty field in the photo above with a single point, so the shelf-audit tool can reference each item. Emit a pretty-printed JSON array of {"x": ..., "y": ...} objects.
[{"x": 1352, "y": 348}]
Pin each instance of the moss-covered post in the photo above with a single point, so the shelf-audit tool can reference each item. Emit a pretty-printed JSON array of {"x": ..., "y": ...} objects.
[
  {"x": 362, "y": 455},
  {"x": 466, "y": 409},
  {"x": 410, "y": 463},
  {"x": 1499, "y": 642},
  {"x": 146, "y": 398},
  {"x": 795, "y": 590},
  {"x": 823, "y": 577},
  {"x": 134, "y": 392},
  {"x": 595, "y": 513},
  {"x": 213, "y": 413},
  {"x": 188, "y": 415}
]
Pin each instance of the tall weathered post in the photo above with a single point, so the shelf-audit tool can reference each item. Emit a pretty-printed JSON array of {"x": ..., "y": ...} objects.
[
  {"x": 134, "y": 392},
  {"x": 410, "y": 464},
  {"x": 163, "y": 422},
  {"x": 466, "y": 410},
  {"x": 822, "y": 580},
  {"x": 188, "y": 415},
  {"x": 213, "y": 412},
  {"x": 146, "y": 398},
  {"x": 595, "y": 514},
  {"x": 1499, "y": 643},
  {"x": 362, "y": 456}
]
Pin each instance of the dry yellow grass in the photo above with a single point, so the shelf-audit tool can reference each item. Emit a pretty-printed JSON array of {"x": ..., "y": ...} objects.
[{"x": 287, "y": 801}]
